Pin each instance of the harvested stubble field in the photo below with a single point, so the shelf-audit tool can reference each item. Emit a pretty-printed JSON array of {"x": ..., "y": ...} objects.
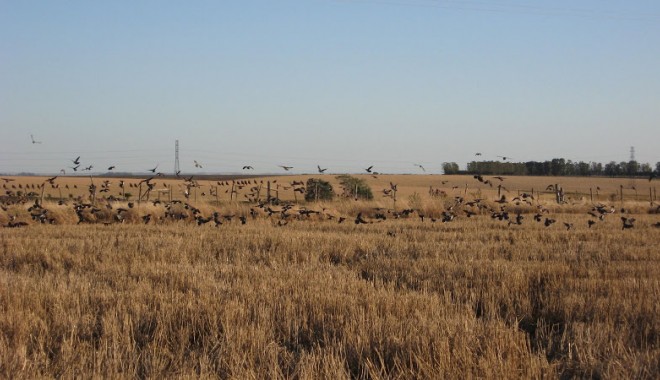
[{"x": 399, "y": 298}]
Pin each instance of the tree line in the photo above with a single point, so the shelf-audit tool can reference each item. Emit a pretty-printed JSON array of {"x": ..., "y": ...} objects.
[{"x": 556, "y": 167}]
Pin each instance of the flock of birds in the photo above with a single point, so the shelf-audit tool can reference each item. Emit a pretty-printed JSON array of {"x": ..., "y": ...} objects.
[
  {"x": 77, "y": 165},
  {"x": 198, "y": 165},
  {"x": 112, "y": 209},
  {"x": 91, "y": 211}
]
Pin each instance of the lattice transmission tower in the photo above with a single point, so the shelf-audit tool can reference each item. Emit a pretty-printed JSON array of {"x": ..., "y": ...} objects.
[{"x": 632, "y": 153}]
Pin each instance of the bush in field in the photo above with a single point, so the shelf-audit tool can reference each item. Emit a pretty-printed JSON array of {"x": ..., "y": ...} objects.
[
  {"x": 318, "y": 190},
  {"x": 450, "y": 168},
  {"x": 355, "y": 187}
]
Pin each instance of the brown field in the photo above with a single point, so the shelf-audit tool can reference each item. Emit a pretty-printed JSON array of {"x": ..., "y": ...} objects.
[
  {"x": 576, "y": 188},
  {"x": 303, "y": 296}
]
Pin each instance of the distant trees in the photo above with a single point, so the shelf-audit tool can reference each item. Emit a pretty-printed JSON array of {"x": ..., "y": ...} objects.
[
  {"x": 561, "y": 167},
  {"x": 450, "y": 168},
  {"x": 355, "y": 187},
  {"x": 318, "y": 190}
]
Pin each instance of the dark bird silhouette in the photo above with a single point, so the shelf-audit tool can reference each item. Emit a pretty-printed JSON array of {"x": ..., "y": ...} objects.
[
  {"x": 590, "y": 223},
  {"x": 111, "y": 167},
  {"x": 548, "y": 222},
  {"x": 76, "y": 161},
  {"x": 421, "y": 167},
  {"x": 359, "y": 220},
  {"x": 75, "y": 168},
  {"x": 477, "y": 154},
  {"x": 197, "y": 164},
  {"x": 369, "y": 169},
  {"x": 153, "y": 170},
  {"x": 34, "y": 141},
  {"x": 321, "y": 170},
  {"x": 504, "y": 158},
  {"x": 627, "y": 223},
  {"x": 502, "y": 200},
  {"x": 51, "y": 180},
  {"x": 519, "y": 219},
  {"x": 88, "y": 168},
  {"x": 568, "y": 226},
  {"x": 287, "y": 168},
  {"x": 248, "y": 167}
]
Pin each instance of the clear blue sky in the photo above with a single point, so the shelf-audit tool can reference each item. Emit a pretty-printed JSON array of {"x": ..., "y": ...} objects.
[{"x": 341, "y": 84}]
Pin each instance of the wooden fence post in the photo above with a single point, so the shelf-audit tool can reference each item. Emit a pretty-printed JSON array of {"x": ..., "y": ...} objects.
[
  {"x": 394, "y": 198},
  {"x": 650, "y": 196},
  {"x": 316, "y": 190}
]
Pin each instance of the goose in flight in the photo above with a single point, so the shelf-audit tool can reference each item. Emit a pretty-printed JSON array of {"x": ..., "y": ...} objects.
[
  {"x": 197, "y": 164},
  {"x": 627, "y": 222},
  {"x": 34, "y": 141},
  {"x": 287, "y": 168},
  {"x": 248, "y": 167},
  {"x": 154, "y": 169},
  {"x": 111, "y": 167},
  {"x": 421, "y": 167},
  {"x": 369, "y": 169},
  {"x": 321, "y": 170},
  {"x": 76, "y": 161}
]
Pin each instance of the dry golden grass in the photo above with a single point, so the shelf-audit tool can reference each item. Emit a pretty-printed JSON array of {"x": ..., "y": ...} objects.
[{"x": 401, "y": 298}]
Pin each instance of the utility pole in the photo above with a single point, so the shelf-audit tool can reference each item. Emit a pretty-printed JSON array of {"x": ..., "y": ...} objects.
[{"x": 176, "y": 158}]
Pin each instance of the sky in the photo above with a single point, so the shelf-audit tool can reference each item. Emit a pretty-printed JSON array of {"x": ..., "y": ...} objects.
[{"x": 340, "y": 84}]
